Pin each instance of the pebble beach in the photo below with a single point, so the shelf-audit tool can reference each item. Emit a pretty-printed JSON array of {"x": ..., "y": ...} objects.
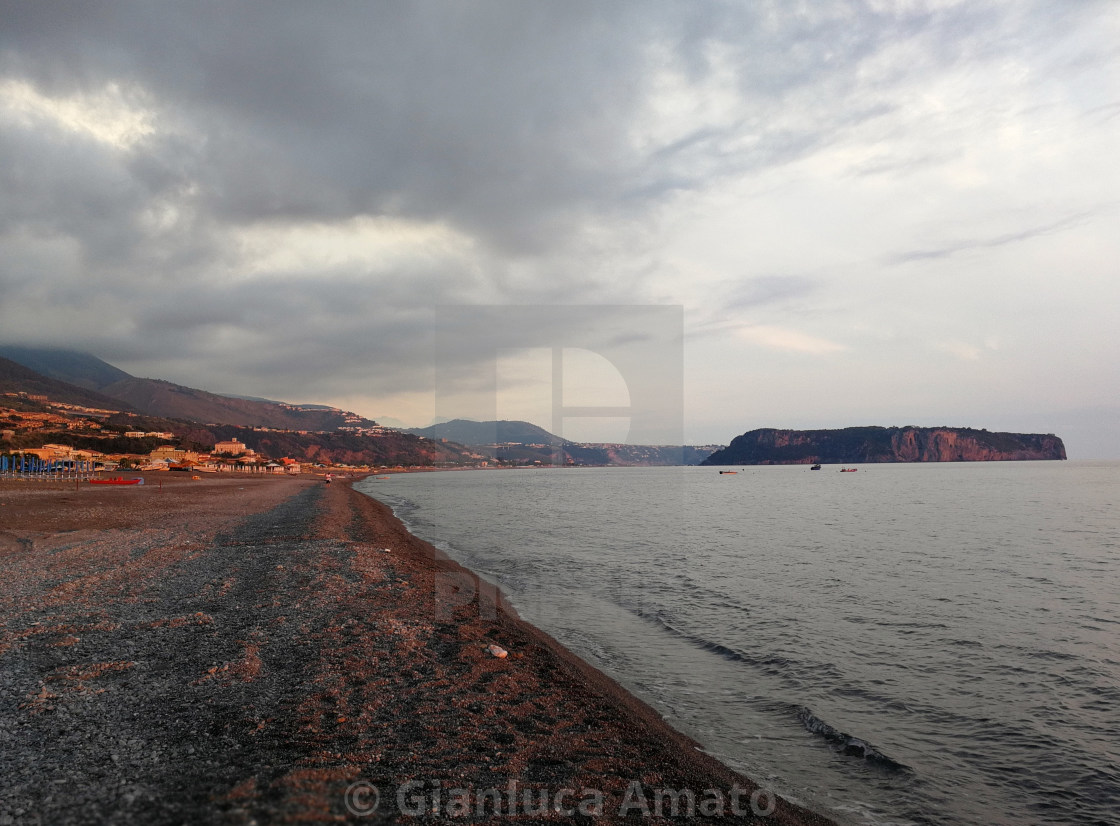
[{"x": 273, "y": 650}]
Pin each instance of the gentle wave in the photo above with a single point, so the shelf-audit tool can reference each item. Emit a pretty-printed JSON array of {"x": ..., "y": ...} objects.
[
  {"x": 774, "y": 663},
  {"x": 957, "y": 617},
  {"x": 846, "y": 743}
]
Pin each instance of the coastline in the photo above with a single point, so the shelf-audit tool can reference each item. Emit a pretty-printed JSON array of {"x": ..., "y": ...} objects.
[{"x": 257, "y": 654}]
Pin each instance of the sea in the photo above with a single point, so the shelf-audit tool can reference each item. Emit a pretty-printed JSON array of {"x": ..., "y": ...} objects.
[{"x": 906, "y": 644}]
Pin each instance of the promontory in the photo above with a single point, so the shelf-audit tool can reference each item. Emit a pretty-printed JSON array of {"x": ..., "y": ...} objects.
[{"x": 849, "y": 445}]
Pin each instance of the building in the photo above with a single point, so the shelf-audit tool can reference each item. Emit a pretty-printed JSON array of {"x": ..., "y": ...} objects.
[
  {"x": 61, "y": 453},
  {"x": 232, "y": 448},
  {"x": 167, "y": 453}
]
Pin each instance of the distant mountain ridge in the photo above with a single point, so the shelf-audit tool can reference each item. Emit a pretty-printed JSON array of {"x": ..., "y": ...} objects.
[
  {"x": 468, "y": 432},
  {"x": 321, "y": 431},
  {"x": 518, "y": 441},
  {"x": 851, "y": 445},
  {"x": 164, "y": 399}
]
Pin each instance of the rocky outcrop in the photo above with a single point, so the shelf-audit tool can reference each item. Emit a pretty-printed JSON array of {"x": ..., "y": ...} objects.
[{"x": 850, "y": 445}]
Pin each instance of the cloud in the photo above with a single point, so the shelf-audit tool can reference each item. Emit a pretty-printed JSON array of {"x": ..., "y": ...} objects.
[
  {"x": 781, "y": 338},
  {"x": 263, "y": 194},
  {"x": 960, "y": 349},
  {"x": 992, "y": 242}
]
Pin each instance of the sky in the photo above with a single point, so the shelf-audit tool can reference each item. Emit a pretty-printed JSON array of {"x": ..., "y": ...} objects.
[{"x": 894, "y": 212}]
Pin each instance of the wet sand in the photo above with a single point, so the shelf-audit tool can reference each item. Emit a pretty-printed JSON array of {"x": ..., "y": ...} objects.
[{"x": 240, "y": 650}]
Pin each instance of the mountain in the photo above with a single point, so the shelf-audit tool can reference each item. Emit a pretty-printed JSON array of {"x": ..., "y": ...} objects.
[
  {"x": 467, "y": 432},
  {"x": 308, "y": 432},
  {"x": 524, "y": 443},
  {"x": 16, "y": 378},
  {"x": 769, "y": 446},
  {"x": 70, "y": 366},
  {"x": 154, "y": 397}
]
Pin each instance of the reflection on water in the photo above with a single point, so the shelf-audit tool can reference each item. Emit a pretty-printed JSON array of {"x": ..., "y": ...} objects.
[{"x": 909, "y": 644}]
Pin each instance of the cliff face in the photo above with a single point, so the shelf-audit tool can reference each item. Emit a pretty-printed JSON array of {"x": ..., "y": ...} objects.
[{"x": 769, "y": 446}]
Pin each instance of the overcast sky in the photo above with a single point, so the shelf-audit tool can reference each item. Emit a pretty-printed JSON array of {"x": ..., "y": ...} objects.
[{"x": 882, "y": 212}]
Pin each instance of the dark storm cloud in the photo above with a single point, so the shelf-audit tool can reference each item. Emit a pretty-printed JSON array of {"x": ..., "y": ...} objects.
[
  {"x": 509, "y": 120},
  {"x": 518, "y": 127},
  {"x": 471, "y": 111}
]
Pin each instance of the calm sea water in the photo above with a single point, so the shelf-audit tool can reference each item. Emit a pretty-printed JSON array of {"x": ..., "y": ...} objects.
[{"x": 909, "y": 644}]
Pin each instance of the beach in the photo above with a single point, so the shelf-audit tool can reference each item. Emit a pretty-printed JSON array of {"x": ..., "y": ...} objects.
[{"x": 248, "y": 649}]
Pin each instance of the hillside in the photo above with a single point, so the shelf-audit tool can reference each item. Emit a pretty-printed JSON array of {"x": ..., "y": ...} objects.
[
  {"x": 70, "y": 366},
  {"x": 35, "y": 422},
  {"x": 770, "y": 446},
  {"x": 654, "y": 455},
  {"x": 388, "y": 448},
  {"x": 518, "y": 442},
  {"x": 16, "y": 378},
  {"x": 309, "y": 432},
  {"x": 154, "y": 397},
  {"x": 467, "y": 432}
]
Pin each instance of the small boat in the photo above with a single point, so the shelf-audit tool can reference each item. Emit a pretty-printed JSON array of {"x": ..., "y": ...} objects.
[
  {"x": 815, "y": 467},
  {"x": 848, "y": 469},
  {"x": 118, "y": 481},
  {"x": 727, "y": 471}
]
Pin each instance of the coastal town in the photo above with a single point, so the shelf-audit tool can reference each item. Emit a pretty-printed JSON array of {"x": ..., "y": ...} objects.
[
  {"x": 28, "y": 420},
  {"x": 73, "y": 417}
]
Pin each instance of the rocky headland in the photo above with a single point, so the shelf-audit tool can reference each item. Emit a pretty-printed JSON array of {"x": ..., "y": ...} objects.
[{"x": 849, "y": 445}]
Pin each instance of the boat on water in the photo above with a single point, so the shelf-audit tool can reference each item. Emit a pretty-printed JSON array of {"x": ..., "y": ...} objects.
[
  {"x": 848, "y": 469},
  {"x": 815, "y": 467},
  {"x": 722, "y": 472},
  {"x": 118, "y": 481}
]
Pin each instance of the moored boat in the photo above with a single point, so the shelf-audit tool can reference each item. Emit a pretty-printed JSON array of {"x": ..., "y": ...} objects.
[{"x": 118, "y": 481}]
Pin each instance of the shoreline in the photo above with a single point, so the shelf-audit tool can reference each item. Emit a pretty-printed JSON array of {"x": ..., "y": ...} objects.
[{"x": 249, "y": 650}]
